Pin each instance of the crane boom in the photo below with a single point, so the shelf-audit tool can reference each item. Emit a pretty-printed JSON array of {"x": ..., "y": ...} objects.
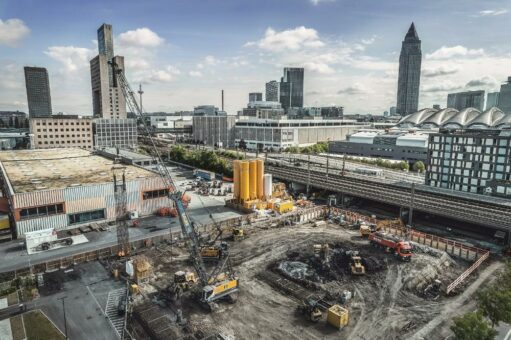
[{"x": 211, "y": 290}]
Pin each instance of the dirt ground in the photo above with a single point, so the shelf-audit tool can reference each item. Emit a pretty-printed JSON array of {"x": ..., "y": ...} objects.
[{"x": 386, "y": 305}]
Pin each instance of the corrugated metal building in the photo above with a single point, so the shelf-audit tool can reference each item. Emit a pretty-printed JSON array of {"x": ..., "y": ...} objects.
[{"x": 68, "y": 188}]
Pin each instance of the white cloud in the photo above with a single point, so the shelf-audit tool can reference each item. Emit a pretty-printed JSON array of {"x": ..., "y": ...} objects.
[
  {"x": 369, "y": 41},
  {"x": 12, "y": 31},
  {"x": 137, "y": 64},
  {"x": 484, "y": 82},
  {"x": 317, "y": 2},
  {"x": 195, "y": 74},
  {"x": 455, "y": 51},
  {"x": 492, "y": 12},
  {"x": 72, "y": 58},
  {"x": 441, "y": 87},
  {"x": 318, "y": 67},
  {"x": 439, "y": 71},
  {"x": 210, "y": 60},
  {"x": 166, "y": 75},
  {"x": 356, "y": 88},
  {"x": 140, "y": 37},
  {"x": 292, "y": 39}
]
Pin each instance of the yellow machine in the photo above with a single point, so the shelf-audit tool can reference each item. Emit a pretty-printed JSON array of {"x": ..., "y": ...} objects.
[
  {"x": 220, "y": 289},
  {"x": 185, "y": 280},
  {"x": 338, "y": 316},
  {"x": 368, "y": 229},
  {"x": 283, "y": 207},
  {"x": 357, "y": 268},
  {"x": 238, "y": 234}
]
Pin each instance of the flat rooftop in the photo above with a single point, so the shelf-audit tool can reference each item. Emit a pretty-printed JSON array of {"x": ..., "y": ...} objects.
[{"x": 33, "y": 170}]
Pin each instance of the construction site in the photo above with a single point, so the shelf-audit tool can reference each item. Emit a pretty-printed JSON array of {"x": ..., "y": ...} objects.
[{"x": 282, "y": 268}]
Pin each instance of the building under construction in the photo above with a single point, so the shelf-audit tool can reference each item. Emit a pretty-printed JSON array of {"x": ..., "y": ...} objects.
[{"x": 69, "y": 188}]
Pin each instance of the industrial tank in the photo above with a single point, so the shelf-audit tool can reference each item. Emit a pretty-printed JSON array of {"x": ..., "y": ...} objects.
[
  {"x": 260, "y": 179},
  {"x": 244, "y": 181},
  {"x": 253, "y": 179},
  {"x": 268, "y": 186},
  {"x": 236, "y": 178}
]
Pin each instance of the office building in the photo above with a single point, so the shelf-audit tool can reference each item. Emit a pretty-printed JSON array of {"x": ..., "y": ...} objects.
[
  {"x": 395, "y": 145},
  {"x": 392, "y": 110},
  {"x": 214, "y": 130},
  {"x": 208, "y": 110},
  {"x": 116, "y": 133},
  {"x": 476, "y": 161},
  {"x": 255, "y": 97},
  {"x": 107, "y": 98},
  {"x": 263, "y": 109},
  {"x": 13, "y": 119},
  {"x": 463, "y": 100},
  {"x": 505, "y": 96},
  {"x": 281, "y": 133},
  {"x": 409, "y": 73},
  {"x": 291, "y": 88},
  {"x": 38, "y": 92},
  {"x": 61, "y": 131},
  {"x": 272, "y": 91},
  {"x": 71, "y": 188},
  {"x": 492, "y": 100}
]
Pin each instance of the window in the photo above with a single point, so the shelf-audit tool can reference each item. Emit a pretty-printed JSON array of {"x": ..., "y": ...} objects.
[
  {"x": 155, "y": 194},
  {"x": 41, "y": 211},
  {"x": 87, "y": 216}
]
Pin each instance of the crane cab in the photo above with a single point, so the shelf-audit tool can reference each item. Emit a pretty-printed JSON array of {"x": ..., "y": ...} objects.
[{"x": 219, "y": 290}]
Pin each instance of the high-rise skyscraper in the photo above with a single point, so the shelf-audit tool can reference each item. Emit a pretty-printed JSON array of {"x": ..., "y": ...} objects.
[
  {"x": 255, "y": 97},
  {"x": 272, "y": 91},
  {"x": 107, "y": 98},
  {"x": 463, "y": 100},
  {"x": 38, "y": 92},
  {"x": 492, "y": 100},
  {"x": 291, "y": 87},
  {"x": 409, "y": 73},
  {"x": 505, "y": 96}
]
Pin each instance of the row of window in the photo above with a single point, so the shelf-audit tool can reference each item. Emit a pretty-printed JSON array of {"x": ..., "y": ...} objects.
[
  {"x": 66, "y": 142},
  {"x": 155, "y": 194},
  {"x": 45, "y": 210},
  {"x": 62, "y": 130},
  {"x": 62, "y": 136},
  {"x": 63, "y": 123},
  {"x": 86, "y": 216}
]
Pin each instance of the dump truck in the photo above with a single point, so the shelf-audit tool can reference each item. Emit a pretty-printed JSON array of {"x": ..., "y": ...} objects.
[{"x": 401, "y": 248}]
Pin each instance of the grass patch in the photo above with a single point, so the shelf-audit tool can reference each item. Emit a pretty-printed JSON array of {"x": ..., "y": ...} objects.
[
  {"x": 38, "y": 327},
  {"x": 18, "y": 332}
]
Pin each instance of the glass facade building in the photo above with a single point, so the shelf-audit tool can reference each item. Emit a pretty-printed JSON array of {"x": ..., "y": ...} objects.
[
  {"x": 291, "y": 88},
  {"x": 38, "y": 92}
]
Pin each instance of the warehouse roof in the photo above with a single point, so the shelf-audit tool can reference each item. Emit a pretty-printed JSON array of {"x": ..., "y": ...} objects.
[{"x": 32, "y": 170}]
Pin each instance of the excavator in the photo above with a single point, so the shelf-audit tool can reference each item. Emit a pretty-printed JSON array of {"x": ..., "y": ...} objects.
[{"x": 221, "y": 283}]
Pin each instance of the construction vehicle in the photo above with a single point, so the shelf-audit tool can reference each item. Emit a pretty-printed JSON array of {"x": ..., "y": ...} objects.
[
  {"x": 401, "y": 248},
  {"x": 238, "y": 234},
  {"x": 215, "y": 252},
  {"x": 311, "y": 310},
  {"x": 356, "y": 266},
  {"x": 367, "y": 228},
  {"x": 185, "y": 280},
  {"x": 209, "y": 288}
]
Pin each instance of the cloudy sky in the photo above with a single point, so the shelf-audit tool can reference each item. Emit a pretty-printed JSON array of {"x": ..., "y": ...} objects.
[{"x": 185, "y": 51}]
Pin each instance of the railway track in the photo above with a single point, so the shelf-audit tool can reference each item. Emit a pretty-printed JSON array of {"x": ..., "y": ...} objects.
[{"x": 483, "y": 213}]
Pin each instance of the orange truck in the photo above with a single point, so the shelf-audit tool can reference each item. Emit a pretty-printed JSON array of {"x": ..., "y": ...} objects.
[{"x": 401, "y": 248}]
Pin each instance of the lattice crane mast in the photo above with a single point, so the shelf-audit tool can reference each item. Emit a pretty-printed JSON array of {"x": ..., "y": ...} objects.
[{"x": 212, "y": 288}]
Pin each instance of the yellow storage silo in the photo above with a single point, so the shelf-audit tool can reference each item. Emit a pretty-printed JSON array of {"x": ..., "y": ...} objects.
[
  {"x": 244, "y": 181},
  {"x": 260, "y": 179},
  {"x": 253, "y": 179},
  {"x": 236, "y": 178}
]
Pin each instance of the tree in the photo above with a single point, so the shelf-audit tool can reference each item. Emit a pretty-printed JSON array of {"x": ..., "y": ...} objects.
[
  {"x": 403, "y": 165},
  {"x": 418, "y": 166},
  {"x": 472, "y": 326},
  {"x": 495, "y": 303}
]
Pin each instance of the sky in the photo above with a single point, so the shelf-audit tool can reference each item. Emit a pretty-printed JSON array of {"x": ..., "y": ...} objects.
[{"x": 184, "y": 52}]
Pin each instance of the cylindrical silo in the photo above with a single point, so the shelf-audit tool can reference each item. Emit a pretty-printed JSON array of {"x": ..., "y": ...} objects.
[
  {"x": 236, "y": 178},
  {"x": 253, "y": 179},
  {"x": 268, "y": 186},
  {"x": 260, "y": 179},
  {"x": 244, "y": 181}
]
